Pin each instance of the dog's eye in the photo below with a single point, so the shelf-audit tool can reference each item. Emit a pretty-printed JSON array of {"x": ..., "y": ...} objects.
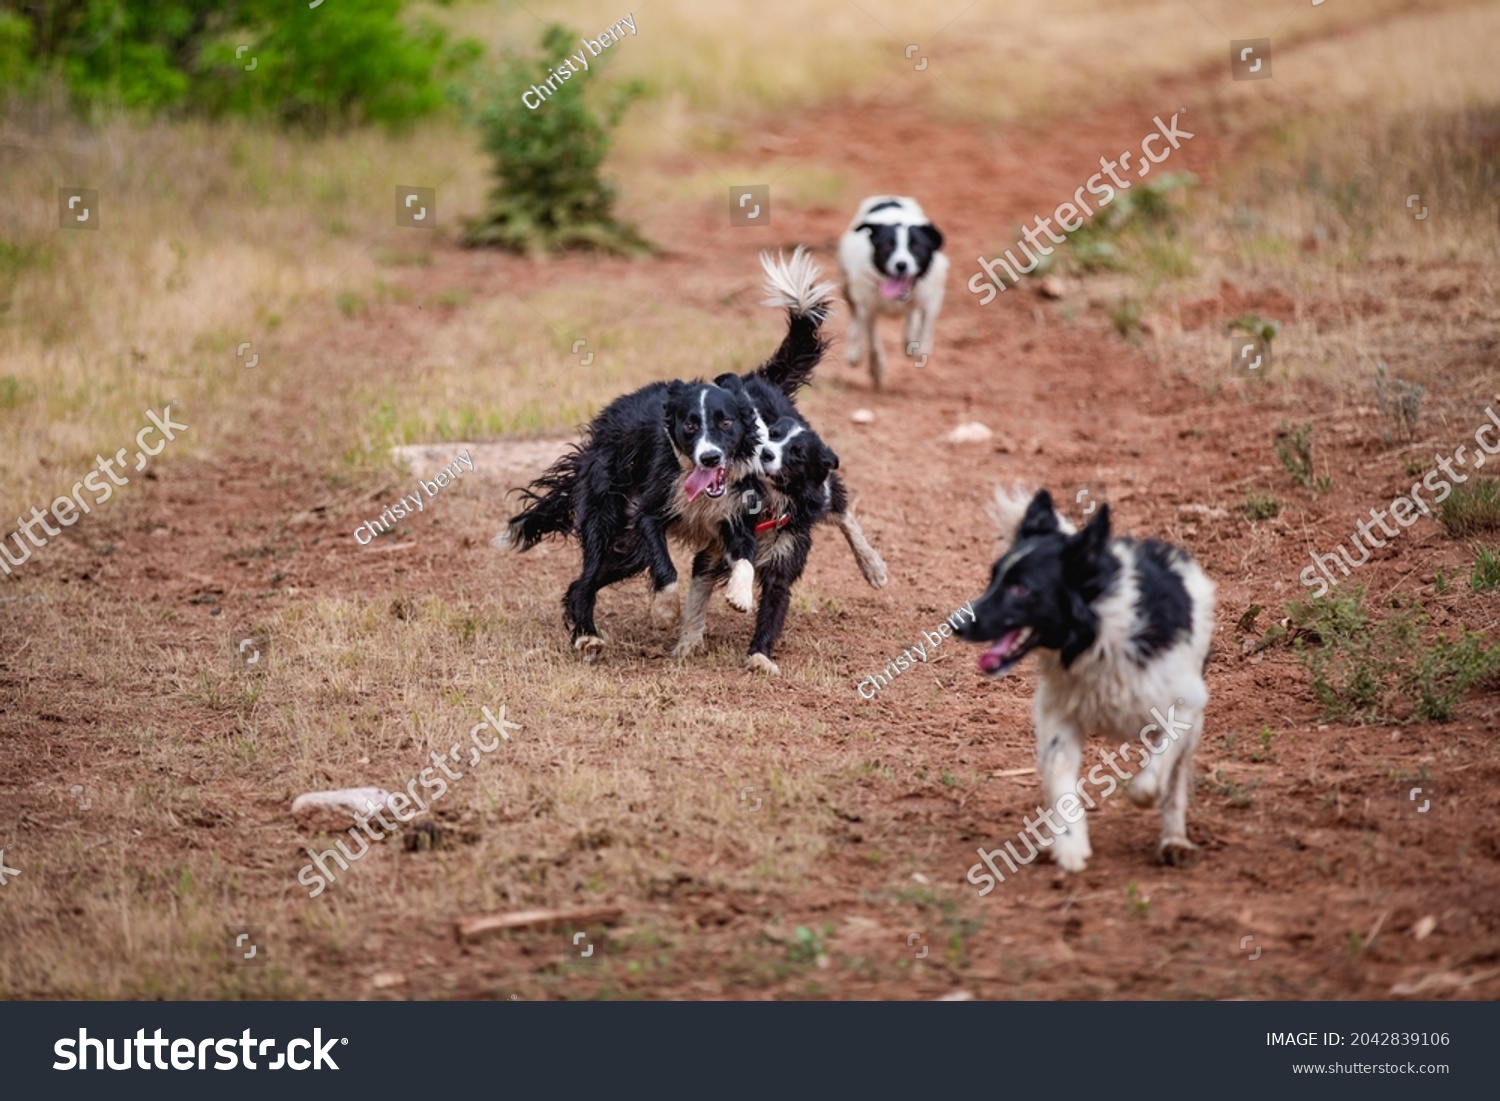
[
  {"x": 1017, "y": 591},
  {"x": 689, "y": 428},
  {"x": 726, "y": 424}
]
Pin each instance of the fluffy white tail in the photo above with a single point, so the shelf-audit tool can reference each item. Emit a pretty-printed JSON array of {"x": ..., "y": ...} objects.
[
  {"x": 793, "y": 284},
  {"x": 1008, "y": 509}
]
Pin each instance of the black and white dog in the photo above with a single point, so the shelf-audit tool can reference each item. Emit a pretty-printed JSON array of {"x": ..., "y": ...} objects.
[
  {"x": 892, "y": 265},
  {"x": 1122, "y": 629},
  {"x": 660, "y": 462},
  {"x": 795, "y": 489},
  {"x": 659, "y": 459}
]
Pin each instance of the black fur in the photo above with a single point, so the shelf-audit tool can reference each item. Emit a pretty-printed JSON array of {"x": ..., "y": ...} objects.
[
  {"x": 617, "y": 489},
  {"x": 1049, "y": 581},
  {"x": 799, "y": 496},
  {"x": 922, "y": 241},
  {"x": 1164, "y": 605}
]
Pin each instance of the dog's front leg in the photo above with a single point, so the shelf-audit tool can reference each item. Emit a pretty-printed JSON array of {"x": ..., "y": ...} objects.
[
  {"x": 664, "y": 610},
  {"x": 877, "y": 353},
  {"x": 1059, "y": 751},
  {"x": 740, "y": 549},
  {"x": 695, "y": 615},
  {"x": 853, "y": 346}
]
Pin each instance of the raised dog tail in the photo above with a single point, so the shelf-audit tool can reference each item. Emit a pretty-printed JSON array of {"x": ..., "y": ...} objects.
[
  {"x": 550, "y": 511},
  {"x": 1008, "y": 509},
  {"x": 793, "y": 285}
]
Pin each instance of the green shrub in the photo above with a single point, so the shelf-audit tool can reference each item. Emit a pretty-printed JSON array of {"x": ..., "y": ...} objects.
[
  {"x": 1472, "y": 508},
  {"x": 340, "y": 63},
  {"x": 1294, "y": 449},
  {"x": 1261, "y": 506},
  {"x": 1400, "y": 400},
  {"x": 1380, "y": 671},
  {"x": 548, "y": 193},
  {"x": 1486, "y": 573},
  {"x": 1145, "y": 217}
]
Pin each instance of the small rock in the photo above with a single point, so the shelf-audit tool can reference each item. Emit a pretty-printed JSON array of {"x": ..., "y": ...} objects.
[
  {"x": 862, "y": 416},
  {"x": 387, "y": 979},
  {"x": 1052, "y": 287},
  {"x": 920, "y": 878},
  {"x": 352, "y": 800},
  {"x": 972, "y": 432},
  {"x": 956, "y": 996},
  {"x": 1423, "y": 928}
]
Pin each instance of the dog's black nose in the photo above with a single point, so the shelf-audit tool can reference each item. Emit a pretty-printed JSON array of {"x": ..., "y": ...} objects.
[
  {"x": 901, "y": 267},
  {"x": 709, "y": 459},
  {"x": 767, "y": 455}
]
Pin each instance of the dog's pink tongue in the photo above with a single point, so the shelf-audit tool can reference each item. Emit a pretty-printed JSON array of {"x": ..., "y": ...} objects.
[
  {"x": 896, "y": 286},
  {"x": 998, "y": 651},
  {"x": 699, "y": 480}
]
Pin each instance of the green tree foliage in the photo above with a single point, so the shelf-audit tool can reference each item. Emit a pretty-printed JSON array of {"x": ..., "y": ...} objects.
[
  {"x": 548, "y": 193},
  {"x": 337, "y": 64}
]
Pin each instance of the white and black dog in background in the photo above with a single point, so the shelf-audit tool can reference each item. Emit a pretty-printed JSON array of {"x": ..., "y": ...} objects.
[
  {"x": 661, "y": 461},
  {"x": 1122, "y": 629},
  {"x": 892, "y": 265}
]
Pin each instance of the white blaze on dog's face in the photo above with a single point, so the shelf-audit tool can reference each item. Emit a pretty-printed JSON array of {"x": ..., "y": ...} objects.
[
  {"x": 770, "y": 454},
  {"x": 902, "y": 244},
  {"x": 709, "y": 428}
]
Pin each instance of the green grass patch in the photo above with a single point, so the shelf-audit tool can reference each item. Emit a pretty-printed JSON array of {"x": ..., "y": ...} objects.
[
  {"x": 1472, "y": 508},
  {"x": 1261, "y": 506},
  {"x": 1486, "y": 573},
  {"x": 1372, "y": 670}
]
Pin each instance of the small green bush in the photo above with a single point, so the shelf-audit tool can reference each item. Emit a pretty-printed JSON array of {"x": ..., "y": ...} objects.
[
  {"x": 1472, "y": 508},
  {"x": 1400, "y": 400},
  {"x": 548, "y": 193},
  {"x": 1261, "y": 506},
  {"x": 1486, "y": 573},
  {"x": 1380, "y": 671},
  {"x": 1294, "y": 449}
]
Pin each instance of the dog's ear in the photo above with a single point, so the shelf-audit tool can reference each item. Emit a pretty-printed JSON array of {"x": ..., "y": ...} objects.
[
  {"x": 730, "y": 381},
  {"x": 675, "y": 389},
  {"x": 830, "y": 460},
  {"x": 864, "y": 226},
  {"x": 1040, "y": 518},
  {"x": 931, "y": 234},
  {"x": 1083, "y": 554}
]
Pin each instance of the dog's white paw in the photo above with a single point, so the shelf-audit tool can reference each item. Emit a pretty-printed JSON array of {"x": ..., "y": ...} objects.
[
  {"x": 1071, "y": 853},
  {"x": 873, "y": 567},
  {"x": 664, "y": 607},
  {"x": 688, "y": 645},
  {"x": 741, "y": 590},
  {"x": 1145, "y": 789},
  {"x": 759, "y": 663},
  {"x": 590, "y": 646},
  {"x": 1178, "y": 852}
]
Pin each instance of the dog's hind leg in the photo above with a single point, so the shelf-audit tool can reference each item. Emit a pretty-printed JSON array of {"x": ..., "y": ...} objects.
[
  {"x": 1174, "y": 847},
  {"x": 870, "y": 562},
  {"x": 1059, "y": 751}
]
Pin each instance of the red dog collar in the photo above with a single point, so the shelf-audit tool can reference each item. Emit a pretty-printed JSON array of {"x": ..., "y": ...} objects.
[{"x": 776, "y": 524}]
